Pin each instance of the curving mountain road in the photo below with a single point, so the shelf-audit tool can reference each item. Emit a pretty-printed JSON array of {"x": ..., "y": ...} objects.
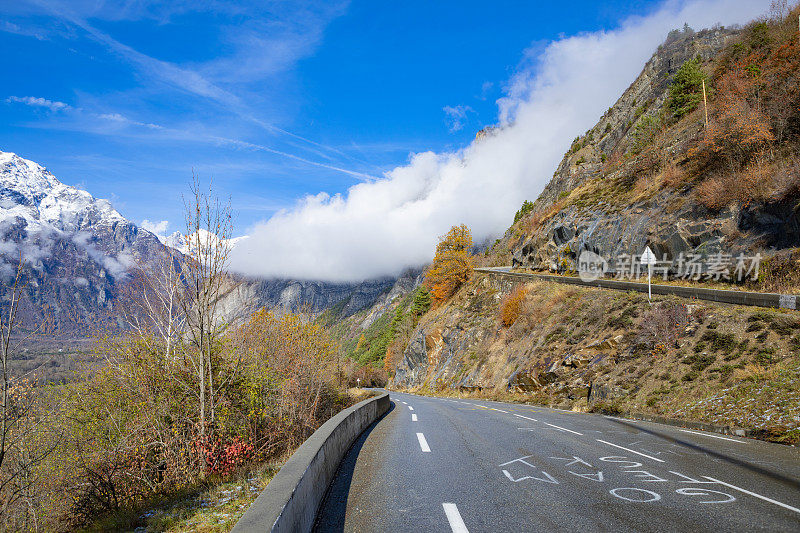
[{"x": 439, "y": 465}]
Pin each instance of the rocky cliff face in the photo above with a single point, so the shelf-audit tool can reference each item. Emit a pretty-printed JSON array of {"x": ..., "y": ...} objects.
[
  {"x": 612, "y": 196},
  {"x": 646, "y": 96},
  {"x": 313, "y": 297}
]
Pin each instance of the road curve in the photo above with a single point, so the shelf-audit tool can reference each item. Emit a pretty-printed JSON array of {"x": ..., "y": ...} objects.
[{"x": 440, "y": 465}]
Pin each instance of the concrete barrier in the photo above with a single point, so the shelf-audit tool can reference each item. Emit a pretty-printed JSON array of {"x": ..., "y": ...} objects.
[
  {"x": 757, "y": 299},
  {"x": 291, "y": 500}
]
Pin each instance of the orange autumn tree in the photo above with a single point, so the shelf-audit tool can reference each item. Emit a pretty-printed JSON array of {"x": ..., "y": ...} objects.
[{"x": 452, "y": 264}]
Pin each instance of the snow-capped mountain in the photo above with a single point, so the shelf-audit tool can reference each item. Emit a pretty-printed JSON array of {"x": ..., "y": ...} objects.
[
  {"x": 185, "y": 245},
  {"x": 78, "y": 252},
  {"x": 77, "y": 249},
  {"x": 28, "y": 191}
]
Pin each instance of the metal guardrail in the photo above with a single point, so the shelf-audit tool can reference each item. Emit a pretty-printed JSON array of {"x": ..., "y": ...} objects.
[{"x": 757, "y": 299}]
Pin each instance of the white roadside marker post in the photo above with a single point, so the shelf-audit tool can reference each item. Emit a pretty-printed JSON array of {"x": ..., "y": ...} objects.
[{"x": 649, "y": 259}]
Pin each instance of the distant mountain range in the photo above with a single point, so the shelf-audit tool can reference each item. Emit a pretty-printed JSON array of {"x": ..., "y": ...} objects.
[{"x": 79, "y": 251}]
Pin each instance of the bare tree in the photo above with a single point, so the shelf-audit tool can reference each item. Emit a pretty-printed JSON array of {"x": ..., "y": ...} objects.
[
  {"x": 209, "y": 226},
  {"x": 155, "y": 298}
]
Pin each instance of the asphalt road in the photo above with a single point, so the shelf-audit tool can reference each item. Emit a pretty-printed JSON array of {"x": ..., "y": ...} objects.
[{"x": 439, "y": 465}]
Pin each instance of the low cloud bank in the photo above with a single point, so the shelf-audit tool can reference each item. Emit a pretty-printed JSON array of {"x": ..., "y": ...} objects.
[{"x": 379, "y": 228}]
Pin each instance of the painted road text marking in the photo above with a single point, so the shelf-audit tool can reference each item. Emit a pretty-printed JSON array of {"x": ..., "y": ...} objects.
[{"x": 770, "y": 500}]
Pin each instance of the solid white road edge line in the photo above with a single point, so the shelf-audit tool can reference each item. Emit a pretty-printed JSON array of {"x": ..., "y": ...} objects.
[
  {"x": 629, "y": 450},
  {"x": 413, "y": 418},
  {"x": 712, "y": 436},
  {"x": 770, "y": 500},
  {"x": 423, "y": 443},
  {"x": 454, "y": 517}
]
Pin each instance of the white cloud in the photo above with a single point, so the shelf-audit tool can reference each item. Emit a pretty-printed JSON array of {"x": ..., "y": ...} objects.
[
  {"x": 378, "y": 228},
  {"x": 159, "y": 229},
  {"x": 34, "y": 101},
  {"x": 117, "y": 266},
  {"x": 116, "y": 117},
  {"x": 456, "y": 116}
]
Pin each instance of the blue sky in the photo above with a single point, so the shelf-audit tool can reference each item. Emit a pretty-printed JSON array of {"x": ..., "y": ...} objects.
[
  {"x": 344, "y": 133},
  {"x": 126, "y": 98}
]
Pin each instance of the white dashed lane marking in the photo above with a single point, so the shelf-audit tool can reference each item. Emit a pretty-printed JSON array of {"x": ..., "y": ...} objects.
[
  {"x": 454, "y": 517},
  {"x": 413, "y": 418},
  {"x": 629, "y": 450},
  {"x": 770, "y": 500},
  {"x": 562, "y": 429},
  {"x": 423, "y": 443}
]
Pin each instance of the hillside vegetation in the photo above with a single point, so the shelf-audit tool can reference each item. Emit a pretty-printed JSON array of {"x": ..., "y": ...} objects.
[{"x": 182, "y": 404}]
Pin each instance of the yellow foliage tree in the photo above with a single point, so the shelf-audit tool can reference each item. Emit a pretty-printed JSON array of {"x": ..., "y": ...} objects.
[{"x": 452, "y": 264}]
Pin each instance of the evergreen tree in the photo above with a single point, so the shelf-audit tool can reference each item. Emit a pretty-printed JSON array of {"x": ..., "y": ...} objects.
[{"x": 686, "y": 90}]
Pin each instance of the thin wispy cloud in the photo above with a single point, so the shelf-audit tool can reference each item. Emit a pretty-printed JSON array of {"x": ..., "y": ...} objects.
[
  {"x": 35, "y": 101},
  {"x": 457, "y": 116},
  {"x": 379, "y": 228},
  {"x": 262, "y": 47},
  {"x": 167, "y": 133}
]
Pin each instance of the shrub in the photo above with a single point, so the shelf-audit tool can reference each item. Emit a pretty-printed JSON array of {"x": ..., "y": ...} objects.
[
  {"x": 663, "y": 323},
  {"x": 421, "y": 302},
  {"x": 784, "y": 326},
  {"x": 794, "y": 344},
  {"x": 765, "y": 356},
  {"x": 781, "y": 272},
  {"x": 511, "y": 306},
  {"x": 606, "y": 407},
  {"x": 720, "y": 341},
  {"x": 130, "y": 431},
  {"x": 685, "y": 92},
  {"x": 700, "y": 362},
  {"x": 645, "y": 131}
]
